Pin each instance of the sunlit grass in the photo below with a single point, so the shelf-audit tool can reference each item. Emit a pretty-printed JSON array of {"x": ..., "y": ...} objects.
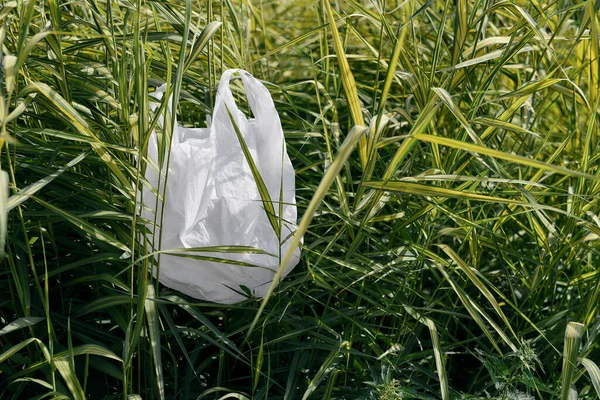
[{"x": 447, "y": 179}]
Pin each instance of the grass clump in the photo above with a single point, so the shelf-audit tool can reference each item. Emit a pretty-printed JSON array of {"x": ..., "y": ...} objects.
[{"x": 446, "y": 158}]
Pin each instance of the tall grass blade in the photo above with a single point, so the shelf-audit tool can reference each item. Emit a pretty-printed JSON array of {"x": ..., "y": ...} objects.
[
  {"x": 154, "y": 331},
  {"x": 573, "y": 335},
  {"x": 68, "y": 374},
  {"x": 501, "y": 155},
  {"x": 260, "y": 183},
  {"x": 334, "y": 169},
  {"x": 593, "y": 371},
  {"x": 14, "y": 349},
  {"x": 20, "y": 323},
  {"x": 428, "y": 190},
  {"x": 323, "y": 371},
  {"x": 477, "y": 313},
  {"x": 479, "y": 285},
  {"x": 86, "y": 227},
  {"x": 439, "y": 359},
  {"x": 205, "y": 322},
  {"x": 4, "y": 191},
  {"x": 348, "y": 81},
  {"x": 200, "y": 43},
  {"x": 65, "y": 110},
  {"x": 25, "y": 193}
]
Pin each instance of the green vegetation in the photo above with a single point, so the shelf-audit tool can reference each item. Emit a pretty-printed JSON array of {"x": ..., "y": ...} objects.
[{"x": 450, "y": 249}]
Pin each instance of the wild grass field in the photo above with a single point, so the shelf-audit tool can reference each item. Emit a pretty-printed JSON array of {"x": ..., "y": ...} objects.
[{"x": 447, "y": 177}]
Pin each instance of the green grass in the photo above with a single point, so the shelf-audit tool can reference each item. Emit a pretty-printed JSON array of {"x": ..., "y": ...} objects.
[{"x": 448, "y": 183}]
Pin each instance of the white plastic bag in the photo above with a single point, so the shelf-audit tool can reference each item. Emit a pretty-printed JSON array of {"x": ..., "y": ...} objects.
[{"x": 212, "y": 198}]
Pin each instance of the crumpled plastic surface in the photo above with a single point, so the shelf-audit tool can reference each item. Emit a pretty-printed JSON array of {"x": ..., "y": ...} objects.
[{"x": 212, "y": 198}]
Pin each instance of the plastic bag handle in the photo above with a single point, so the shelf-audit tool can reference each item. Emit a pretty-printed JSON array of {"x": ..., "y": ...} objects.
[{"x": 257, "y": 94}]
